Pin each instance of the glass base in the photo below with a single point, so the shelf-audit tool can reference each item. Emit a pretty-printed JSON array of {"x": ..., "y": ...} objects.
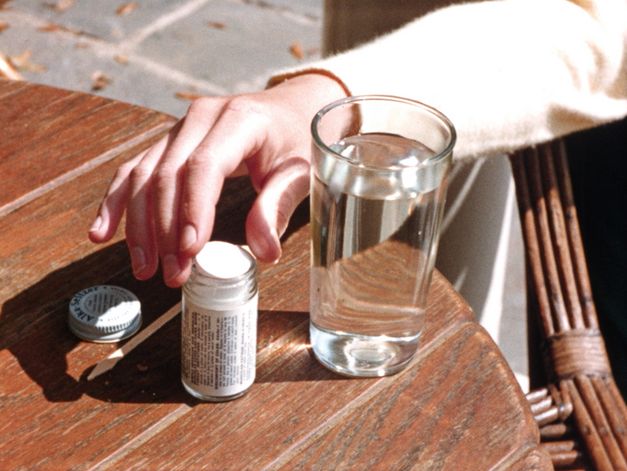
[{"x": 362, "y": 355}]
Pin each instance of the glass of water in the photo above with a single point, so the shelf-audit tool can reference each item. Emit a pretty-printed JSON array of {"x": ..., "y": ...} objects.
[{"x": 378, "y": 185}]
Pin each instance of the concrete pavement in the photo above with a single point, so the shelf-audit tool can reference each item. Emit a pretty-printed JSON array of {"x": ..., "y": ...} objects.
[{"x": 153, "y": 49}]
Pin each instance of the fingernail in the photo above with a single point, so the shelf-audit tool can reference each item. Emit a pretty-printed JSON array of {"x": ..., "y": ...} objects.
[
  {"x": 269, "y": 246},
  {"x": 171, "y": 266},
  {"x": 188, "y": 237},
  {"x": 138, "y": 259},
  {"x": 258, "y": 246},
  {"x": 96, "y": 225},
  {"x": 275, "y": 246}
]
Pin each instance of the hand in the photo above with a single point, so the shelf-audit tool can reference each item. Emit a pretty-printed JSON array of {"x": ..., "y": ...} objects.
[{"x": 170, "y": 190}]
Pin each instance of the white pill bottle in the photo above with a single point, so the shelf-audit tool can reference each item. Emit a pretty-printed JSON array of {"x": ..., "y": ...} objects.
[{"x": 219, "y": 323}]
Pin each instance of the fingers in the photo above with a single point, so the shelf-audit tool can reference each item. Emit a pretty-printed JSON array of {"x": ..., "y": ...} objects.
[
  {"x": 170, "y": 191},
  {"x": 112, "y": 206},
  {"x": 238, "y": 134},
  {"x": 285, "y": 188},
  {"x": 140, "y": 229},
  {"x": 166, "y": 187},
  {"x": 117, "y": 196}
]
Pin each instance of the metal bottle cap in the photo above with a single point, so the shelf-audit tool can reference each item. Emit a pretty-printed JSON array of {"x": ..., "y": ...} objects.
[{"x": 104, "y": 313}]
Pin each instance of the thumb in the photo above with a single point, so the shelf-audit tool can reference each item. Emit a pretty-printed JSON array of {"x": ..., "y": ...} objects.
[{"x": 281, "y": 193}]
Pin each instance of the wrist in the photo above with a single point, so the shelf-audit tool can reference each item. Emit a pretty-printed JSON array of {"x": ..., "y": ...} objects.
[{"x": 318, "y": 86}]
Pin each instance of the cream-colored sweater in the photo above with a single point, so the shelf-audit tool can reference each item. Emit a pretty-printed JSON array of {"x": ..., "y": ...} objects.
[{"x": 508, "y": 73}]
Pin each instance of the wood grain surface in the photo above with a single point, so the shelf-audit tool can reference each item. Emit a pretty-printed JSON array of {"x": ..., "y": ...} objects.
[
  {"x": 456, "y": 404},
  {"x": 87, "y": 131}
]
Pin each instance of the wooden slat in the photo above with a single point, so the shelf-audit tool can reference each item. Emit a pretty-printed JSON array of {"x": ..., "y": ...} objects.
[
  {"x": 560, "y": 446},
  {"x": 573, "y": 460},
  {"x": 9, "y": 87},
  {"x": 559, "y": 238},
  {"x": 47, "y": 138},
  {"x": 614, "y": 408},
  {"x": 556, "y": 431},
  {"x": 532, "y": 244},
  {"x": 535, "y": 459},
  {"x": 586, "y": 427},
  {"x": 595, "y": 409},
  {"x": 574, "y": 235},
  {"x": 549, "y": 267}
]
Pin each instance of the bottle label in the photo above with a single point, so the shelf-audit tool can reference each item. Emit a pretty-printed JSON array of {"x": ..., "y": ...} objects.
[{"x": 219, "y": 348}]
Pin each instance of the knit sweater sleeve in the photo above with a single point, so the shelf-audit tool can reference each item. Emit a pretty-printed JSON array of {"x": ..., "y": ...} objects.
[{"x": 508, "y": 73}]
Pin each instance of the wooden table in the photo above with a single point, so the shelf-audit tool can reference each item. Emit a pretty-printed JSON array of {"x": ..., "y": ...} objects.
[{"x": 457, "y": 406}]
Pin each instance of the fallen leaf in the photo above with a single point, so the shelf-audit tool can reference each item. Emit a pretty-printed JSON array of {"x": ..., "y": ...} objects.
[
  {"x": 56, "y": 27},
  {"x": 216, "y": 25},
  {"x": 22, "y": 62},
  {"x": 189, "y": 96},
  {"x": 51, "y": 28},
  {"x": 297, "y": 50},
  {"x": 126, "y": 8},
  {"x": 3, "y": 26},
  {"x": 142, "y": 367},
  {"x": 99, "y": 81},
  {"x": 61, "y": 5},
  {"x": 21, "y": 59},
  {"x": 121, "y": 59},
  {"x": 33, "y": 67},
  {"x": 3, "y": 4},
  {"x": 7, "y": 70}
]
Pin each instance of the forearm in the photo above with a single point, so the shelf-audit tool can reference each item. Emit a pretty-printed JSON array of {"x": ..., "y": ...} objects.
[{"x": 508, "y": 73}]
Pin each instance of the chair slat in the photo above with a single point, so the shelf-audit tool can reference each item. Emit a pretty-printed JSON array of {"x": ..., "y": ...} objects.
[
  {"x": 574, "y": 235},
  {"x": 556, "y": 431},
  {"x": 559, "y": 238},
  {"x": 612, "y": 409},
  {"x": 595, "y": 409},
  {"x": 549, "y": 265},
  {"x": 586, "y": 427},
  {"x": 530, "y": 236}
]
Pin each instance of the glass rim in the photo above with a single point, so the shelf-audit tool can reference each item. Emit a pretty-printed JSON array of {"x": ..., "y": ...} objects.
[{"x": 434, "y": 159}]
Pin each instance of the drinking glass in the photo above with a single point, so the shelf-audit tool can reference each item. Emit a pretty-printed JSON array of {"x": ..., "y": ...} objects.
[{"x": 378, "y": 185}]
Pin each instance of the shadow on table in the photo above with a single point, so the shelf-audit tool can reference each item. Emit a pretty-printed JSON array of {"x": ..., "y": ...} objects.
[
  {"x": 60, "y": 363},
  {"x": 33, "y": 327}
]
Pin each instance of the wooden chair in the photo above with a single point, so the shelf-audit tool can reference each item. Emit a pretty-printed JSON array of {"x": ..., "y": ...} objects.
[{"x": 580, "y": 412}]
